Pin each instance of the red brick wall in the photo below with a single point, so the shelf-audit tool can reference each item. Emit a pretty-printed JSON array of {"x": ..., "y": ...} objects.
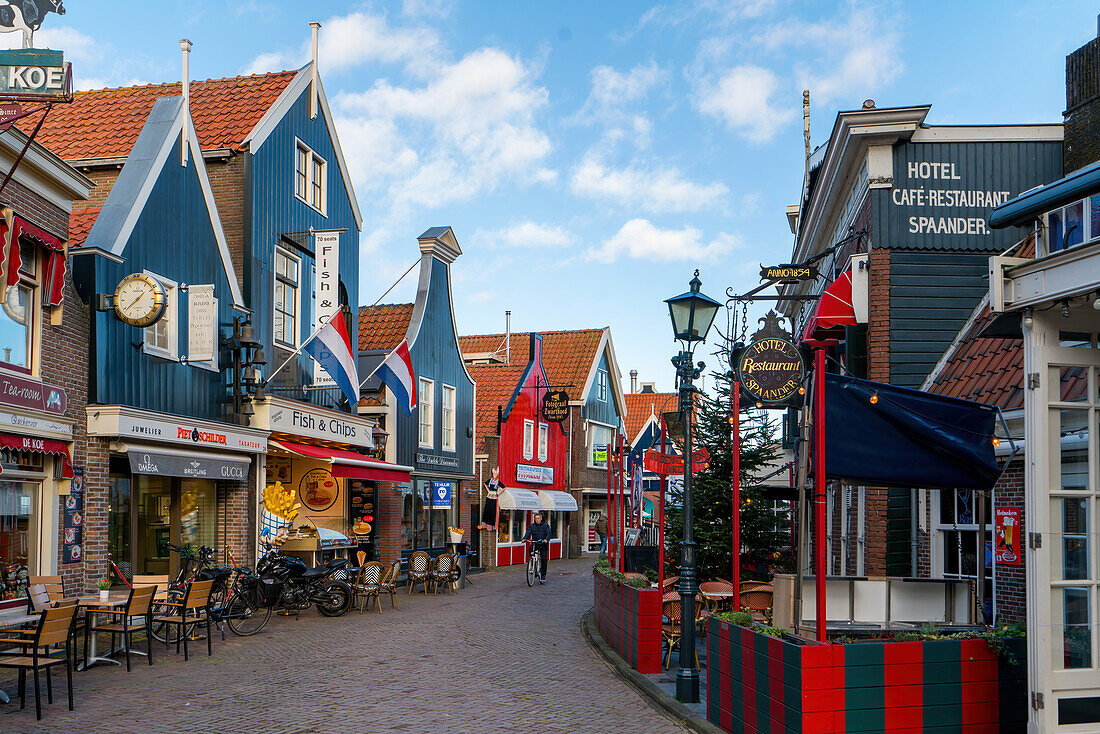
[
  {"x": 236, "y": 521},
  {"x": 878, "y": 327},
  {"x": 390, "y": 508},
  {"x": 37, "y": 210},
  {"x": 227, "y": 183}
]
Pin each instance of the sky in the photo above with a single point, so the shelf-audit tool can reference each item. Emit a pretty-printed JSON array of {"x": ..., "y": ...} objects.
[{"x": 591, "y": 155}]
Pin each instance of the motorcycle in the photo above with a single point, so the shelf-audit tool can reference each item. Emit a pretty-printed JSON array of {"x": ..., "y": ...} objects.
[{"x": 302, "y": 586}]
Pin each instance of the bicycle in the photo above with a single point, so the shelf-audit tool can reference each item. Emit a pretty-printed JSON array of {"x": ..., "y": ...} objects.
[{"x": 534, "y": 562}]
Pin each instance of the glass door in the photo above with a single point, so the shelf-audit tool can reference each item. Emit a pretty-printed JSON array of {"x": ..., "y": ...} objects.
[{"x": 153, "y": 528}]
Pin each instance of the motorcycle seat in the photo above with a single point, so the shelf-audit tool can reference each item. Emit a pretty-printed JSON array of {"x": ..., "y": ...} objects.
[
  {"x": 312, "y": 573},
  {"x": 336, "y": 563}
]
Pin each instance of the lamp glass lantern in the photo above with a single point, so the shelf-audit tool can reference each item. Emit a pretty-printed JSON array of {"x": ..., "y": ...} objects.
[{"x": 692, "y": 313}]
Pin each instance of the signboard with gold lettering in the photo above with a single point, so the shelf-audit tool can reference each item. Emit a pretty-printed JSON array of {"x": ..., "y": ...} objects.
[
  {"x": 555, "y": 406},
  {"x": 788, "y": 273},
  {"x": 771, "y": 370}
]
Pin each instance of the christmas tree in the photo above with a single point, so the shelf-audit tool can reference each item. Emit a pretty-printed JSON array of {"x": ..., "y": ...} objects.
[{"x": 765, "y": 542}]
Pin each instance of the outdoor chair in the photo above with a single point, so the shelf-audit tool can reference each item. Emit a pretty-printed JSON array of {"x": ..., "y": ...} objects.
[
  {"x": 420, "y": 564},
  {"x": 389, "y": 585},
  {"x": 139, "y": 605},
  {"x": 55, "y": 586},
  {"x": 441, "y": 572},
  {"x": 714, "y": 603},
  {"x": 670, "y": 582},
  {"x": 53, "y": 628},
  {"x": 758, "y": 603},
  {"x": 368, "y": 583},
  {"x": 160, "y": 582},
  {"x": 191, "y": 610},
  {"x": 38, "y": 598},
  {"x": 670, "y": 630}
]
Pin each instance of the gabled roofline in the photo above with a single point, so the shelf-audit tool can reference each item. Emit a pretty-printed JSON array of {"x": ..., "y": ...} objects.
[
  {"x": 607, "y": 346},
  {"x": 39, "y": 162},
  {"x": 277, "y": 111}
]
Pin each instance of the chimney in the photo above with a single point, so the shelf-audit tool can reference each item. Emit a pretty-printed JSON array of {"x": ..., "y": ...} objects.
[
  {"x": 633, "y": 381},
  {"x": 185, "y": 47},
  {"x": 507, "y": 337},
  {"x": 649, "y": 387},
  {"x": 315, "y": 28}
]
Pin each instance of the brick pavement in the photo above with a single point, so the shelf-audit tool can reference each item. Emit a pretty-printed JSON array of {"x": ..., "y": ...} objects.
[{"x": 494, "y": 657}]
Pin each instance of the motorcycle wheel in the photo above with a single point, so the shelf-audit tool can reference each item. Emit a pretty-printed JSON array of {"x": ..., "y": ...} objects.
[
  {"x": 245, "y": 618},
  {"x": 334, "y": 599}
]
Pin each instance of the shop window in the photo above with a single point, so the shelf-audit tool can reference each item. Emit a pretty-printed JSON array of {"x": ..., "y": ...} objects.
[
  {"x": 422, "y": 526},
  {"x": 287, "y": 279},
  {"x": 448, "y": 418},
  {"x": 599, "y": 436},
  {"x": 309, "y": 177},
  {"x": 544, "y": 439},
  {"x": 528, "y": 439},
  {"x": 426, "y": 411},
  {"x": 17, "y": 322},
  {"x": 18, "y": 537},
  {"x": 162, "y": 338},
  {"x": 958, "y": 531},
  {"x": 1073, "y": 224},
  {"x": 601, "y": 385}
]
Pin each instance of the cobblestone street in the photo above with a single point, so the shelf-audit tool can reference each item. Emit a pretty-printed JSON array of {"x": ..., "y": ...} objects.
[{"x": 494, "y": 657}]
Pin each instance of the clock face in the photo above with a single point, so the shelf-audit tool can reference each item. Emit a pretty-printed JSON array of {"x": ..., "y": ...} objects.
[{"x": 140, "y": 300}]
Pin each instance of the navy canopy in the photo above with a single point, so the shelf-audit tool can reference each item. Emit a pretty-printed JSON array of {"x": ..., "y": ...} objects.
[{"x": 906, "y": 438}]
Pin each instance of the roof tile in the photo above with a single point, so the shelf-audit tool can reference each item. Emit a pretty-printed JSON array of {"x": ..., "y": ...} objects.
[
  {"x": 567, "y": 356},
  {"x": 641, "y": 405},
  {"x": 383, "y": 327}
]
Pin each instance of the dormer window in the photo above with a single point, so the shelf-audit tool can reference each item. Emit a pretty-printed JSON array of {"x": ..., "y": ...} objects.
[
  {"x": 1073, "y": 225},
  {"x": 309, "y": 177}
]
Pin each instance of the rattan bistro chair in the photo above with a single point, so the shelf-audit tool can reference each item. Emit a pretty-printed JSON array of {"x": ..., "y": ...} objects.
[
  {"x": 441, "y": 572},
  {"x": 138, "y": 605},
  {"x": 367, "y": 584},
  {"x": 670, "y": 630},
  {"x": 420, "y": 566},
  {"x": 54, "y": 628},
  {"x": 191, "y": 610},
  {"x": 389, "y": 585}
]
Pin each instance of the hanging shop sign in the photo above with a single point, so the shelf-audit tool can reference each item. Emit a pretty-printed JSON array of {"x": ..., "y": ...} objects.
[
  {"x": 318, "y": 490},
  {"x": 23, "y": 393},
  {"x": 33, "y": 73},
  {"x": 534, "y": 474},
  {"x": 441, "y": 495},
  {"x": 555, "y": 406},
  {"x": 788, "y": 273},
  {"x": 1006, "y": 531},
  {"x": 771, "y": 370},
  {"x": 202, "y": 321},
  {"x": 326, "y": 290},
  {"x": 8, "y": 112},
  {"x": 673, "y": 464}
]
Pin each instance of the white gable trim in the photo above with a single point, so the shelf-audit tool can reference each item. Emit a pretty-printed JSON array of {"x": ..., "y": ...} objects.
[
  {"x": 420, "y": 308},
  {"x": 651, "y": 420},
  {"x": 275, "y": 114},
  {"x": 612, "y": 371}
]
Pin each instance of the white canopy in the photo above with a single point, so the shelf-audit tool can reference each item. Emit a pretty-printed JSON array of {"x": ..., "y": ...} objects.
[
  {"x": 553, "y": 499},
  {"x": 518, "y": 499}
]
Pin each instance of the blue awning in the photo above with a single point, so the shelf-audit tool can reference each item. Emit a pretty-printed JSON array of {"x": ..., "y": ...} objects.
[{"x": 1031, "y": 204}]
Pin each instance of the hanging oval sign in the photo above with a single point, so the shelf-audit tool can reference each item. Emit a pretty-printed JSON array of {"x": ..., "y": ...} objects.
[
  {"x": 555, "y": 406},
  {"x": 771, "y": 370}
]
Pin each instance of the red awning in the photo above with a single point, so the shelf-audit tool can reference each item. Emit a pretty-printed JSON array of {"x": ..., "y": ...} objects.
[
  {"x": 349, "y": 464},
  {"x": 40, "y": 446},
  {"x": 834, "y": 311},
  {"x": 12, "y": 228}
]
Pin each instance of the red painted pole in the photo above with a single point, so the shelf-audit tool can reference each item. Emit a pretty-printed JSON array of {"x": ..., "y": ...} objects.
[
  {"x": 610, "y": 526},
  {"x": 820, "y": 562},
  {"x": 622, "y": 507},
  {"x": 735, "y": 482},
  {"x": 661, "y": 527}
]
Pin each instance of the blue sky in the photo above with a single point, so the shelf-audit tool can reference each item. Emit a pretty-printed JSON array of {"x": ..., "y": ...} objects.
[{"x": 590, "y": 155}]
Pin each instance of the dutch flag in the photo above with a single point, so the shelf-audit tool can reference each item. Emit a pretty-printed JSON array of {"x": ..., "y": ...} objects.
[
  {"x": 331, "y": 347},
  {"x": 398, "y": 375}
]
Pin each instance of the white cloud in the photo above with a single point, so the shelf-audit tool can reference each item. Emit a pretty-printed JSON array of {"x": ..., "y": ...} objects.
[
  {"x": 743, "y": 98},
  {"x": 859, "y": 55},
  {"x": 656, "y": 189},
  {"x": 641, "y": 240},
  {"x": 613, "y": 89},
  {"x": 427, "y": 8},
  {"x": 525, "y": 235}
]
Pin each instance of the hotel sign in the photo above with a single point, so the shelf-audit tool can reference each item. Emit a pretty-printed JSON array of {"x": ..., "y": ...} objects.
[
  {"x": 771, "y": 370},
  {"x": 32, "y": 73}
]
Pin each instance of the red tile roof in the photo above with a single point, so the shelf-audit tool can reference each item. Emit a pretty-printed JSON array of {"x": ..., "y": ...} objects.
[
  {"x": 383, "y": 327},
  {"x": 567, "y": 356},
  {"x": 104, "y": 123},
  {"x": 496, "y": 383},
  {"x": 80, "y": 224},
  {"x": 641, "y": 405}
]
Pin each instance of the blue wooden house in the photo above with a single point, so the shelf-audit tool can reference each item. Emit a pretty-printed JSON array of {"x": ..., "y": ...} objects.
[{"x": 436, "y": 439}]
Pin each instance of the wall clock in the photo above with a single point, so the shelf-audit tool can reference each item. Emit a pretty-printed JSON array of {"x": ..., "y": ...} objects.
[{"x": 140, "y": 300}]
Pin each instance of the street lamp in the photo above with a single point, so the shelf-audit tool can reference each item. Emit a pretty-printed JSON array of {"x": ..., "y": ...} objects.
[{"x": 692, "y": 314}]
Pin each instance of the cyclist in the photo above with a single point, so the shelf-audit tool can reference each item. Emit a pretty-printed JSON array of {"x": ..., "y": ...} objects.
[{"x": 538, "y": 533}]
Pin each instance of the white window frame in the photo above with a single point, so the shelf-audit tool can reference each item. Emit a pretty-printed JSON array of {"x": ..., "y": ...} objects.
[
  {"x": 29, "y": 278},
  {"x": 312, "y": 159},
  {"x": 1087, "y": 235},
  {"x": 591, "y": 448},
  {"x": 170, "y": 320},
  {"x": 942, "y": 529},
  {"x": 528, "y": 439},
  {"x": 294, "y": 329},
  {"x": 544, "y": 440},
  {"x": 425, "y": 412},
  {"x": 449, "y": 441},
  {"x": 601, "y": 385}
]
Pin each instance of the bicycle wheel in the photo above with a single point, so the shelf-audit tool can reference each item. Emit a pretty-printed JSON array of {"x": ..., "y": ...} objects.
[
  {"x": 531, "y": 570},
  {"x": 244, "y": 617}
]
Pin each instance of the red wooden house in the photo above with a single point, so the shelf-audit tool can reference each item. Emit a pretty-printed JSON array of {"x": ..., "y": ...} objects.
[{"x": 530, "y": 452}]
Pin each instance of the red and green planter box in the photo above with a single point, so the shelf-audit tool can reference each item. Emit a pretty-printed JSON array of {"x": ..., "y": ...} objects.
[
  {"x": 629, "y": 620},
  {"x": 762, "y": 684}
]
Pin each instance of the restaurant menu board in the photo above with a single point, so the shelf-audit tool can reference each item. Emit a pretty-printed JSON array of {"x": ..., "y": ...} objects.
[
  {"x": 72, "y": 542},
  {"x": 361, "y": 499}
]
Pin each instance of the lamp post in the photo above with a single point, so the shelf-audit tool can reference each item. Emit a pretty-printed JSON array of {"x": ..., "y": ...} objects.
[
  {"x": 692, "y": 314},
  {"x": 244, "y": 380}
]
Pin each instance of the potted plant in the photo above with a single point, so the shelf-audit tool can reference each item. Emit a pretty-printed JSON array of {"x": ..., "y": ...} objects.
[{"x": 104, "y": 589}]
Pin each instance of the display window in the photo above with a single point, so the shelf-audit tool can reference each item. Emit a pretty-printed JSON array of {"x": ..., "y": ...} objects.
[
  {"x": 424, "y": 526},
  {"x": 18, "y": 536}
]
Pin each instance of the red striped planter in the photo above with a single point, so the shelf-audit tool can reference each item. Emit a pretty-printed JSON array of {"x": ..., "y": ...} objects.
[
  {"x": 762, "y": 684},
  {"x": 629, "y": 620}
]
